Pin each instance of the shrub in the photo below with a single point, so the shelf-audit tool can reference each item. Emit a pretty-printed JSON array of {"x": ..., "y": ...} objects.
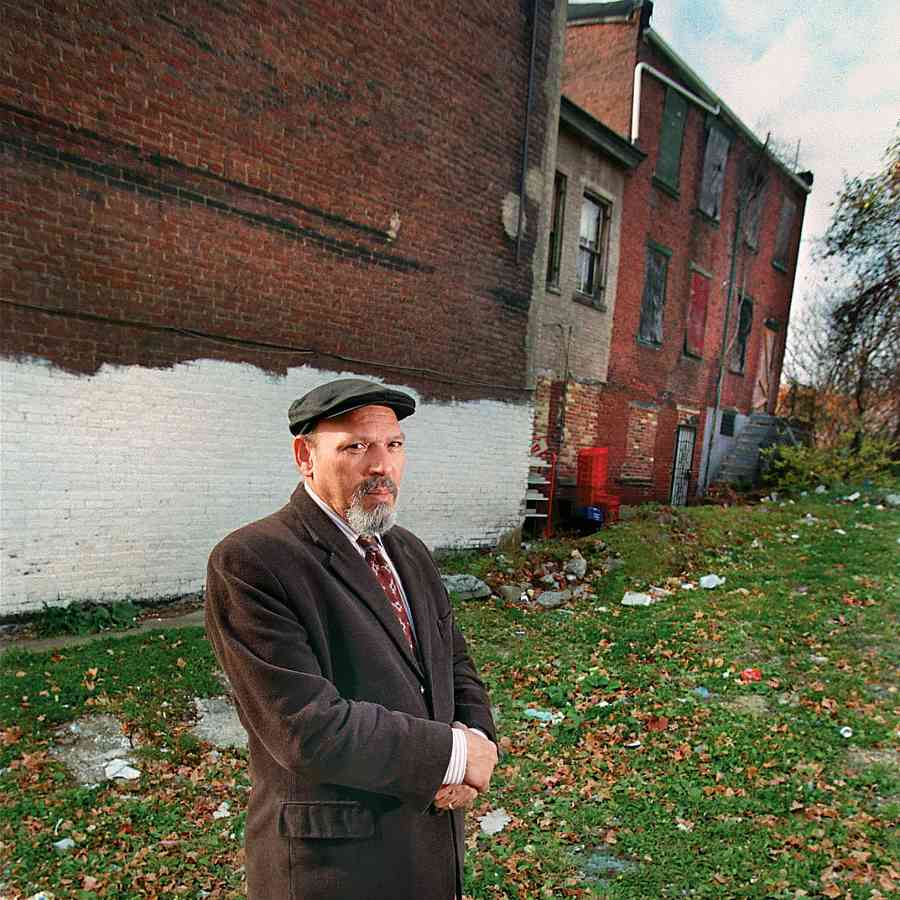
[
  {"x": 84, "y": 618},
  {"x": 798, "y": 468}
]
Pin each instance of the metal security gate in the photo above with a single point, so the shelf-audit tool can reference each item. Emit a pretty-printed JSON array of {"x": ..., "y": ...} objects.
[{"x": 681, "y": 473}]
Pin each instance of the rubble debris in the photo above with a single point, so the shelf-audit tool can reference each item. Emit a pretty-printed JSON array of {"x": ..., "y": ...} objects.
[{"x": 466, "y": 587}]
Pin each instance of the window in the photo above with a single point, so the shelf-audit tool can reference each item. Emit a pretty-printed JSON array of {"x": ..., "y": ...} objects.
[
  {"x": 593, "y": 239},
  {"x": 713, "y": 182},
  {"x": 726, "y": 426},
  {"x": 696, "y": 320},
  {"x": 650, "y": 329},
  {"x": 742, "y": 338},
  {"x": 556, "y": 229},
  {"x": 783, "y": 238},
  {"x": 754, "y": 199},
  {"x": 668, "y": 160}
]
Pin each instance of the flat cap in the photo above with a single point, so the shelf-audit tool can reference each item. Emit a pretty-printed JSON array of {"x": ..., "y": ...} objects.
[{"x": 341, "y": 396}]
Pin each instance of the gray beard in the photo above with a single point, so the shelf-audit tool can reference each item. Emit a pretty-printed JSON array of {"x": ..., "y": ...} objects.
[
  {"x": 371, "y": 522},
  {"x": 377, "y": 520}
]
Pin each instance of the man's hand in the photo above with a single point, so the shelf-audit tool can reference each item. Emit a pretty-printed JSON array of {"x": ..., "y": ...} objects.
[
  {"x": 455, "y": 796},
  {"x": 481, "y": 758}
]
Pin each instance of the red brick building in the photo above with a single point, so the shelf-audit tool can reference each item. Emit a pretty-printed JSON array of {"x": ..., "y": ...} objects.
[
  {"x": 208, "y": 209},
  {"x": 697, "y": 292}
]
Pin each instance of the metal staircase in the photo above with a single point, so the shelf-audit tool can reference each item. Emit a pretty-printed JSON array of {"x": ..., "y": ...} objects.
[{"x": 742, "y": 464}]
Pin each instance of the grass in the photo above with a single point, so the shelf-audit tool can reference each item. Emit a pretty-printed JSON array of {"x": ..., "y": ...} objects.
[{"x": 738, "y": 787}]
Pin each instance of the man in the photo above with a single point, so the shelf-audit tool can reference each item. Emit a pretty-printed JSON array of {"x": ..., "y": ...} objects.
[{"x": 369, "y": 727}]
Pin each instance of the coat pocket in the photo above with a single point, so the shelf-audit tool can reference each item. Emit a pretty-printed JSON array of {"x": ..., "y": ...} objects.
[{"x": 326, "y": 819}]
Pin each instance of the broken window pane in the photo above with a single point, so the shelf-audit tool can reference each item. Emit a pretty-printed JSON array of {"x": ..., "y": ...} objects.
[
  {"x": 654, "y": 295},
  {"x": 742, "y": 337},
  {"x": 556, "y": 229}
]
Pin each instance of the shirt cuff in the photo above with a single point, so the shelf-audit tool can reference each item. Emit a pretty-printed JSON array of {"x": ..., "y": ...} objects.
[{"x": 459, "y": 756}]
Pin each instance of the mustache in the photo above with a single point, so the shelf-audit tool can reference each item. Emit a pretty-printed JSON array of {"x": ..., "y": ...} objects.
[{"x": 377, "y": 483}]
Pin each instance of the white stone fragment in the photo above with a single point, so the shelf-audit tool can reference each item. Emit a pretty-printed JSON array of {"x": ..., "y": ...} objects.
[
  {"x": 119, "y": 768},
  {"x": 495, "y": 821}
]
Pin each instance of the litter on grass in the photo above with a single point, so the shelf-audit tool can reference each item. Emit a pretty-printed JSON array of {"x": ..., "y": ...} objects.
[
  {"x": 711, "y": 581},
  {"x": 846, "y": 732},
  {"x": 547, "y": 716},
  {"x": 632, "y": 598},
  {"x": 495, "y": 821}
]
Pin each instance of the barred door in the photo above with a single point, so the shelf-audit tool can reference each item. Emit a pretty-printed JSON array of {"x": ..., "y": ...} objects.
[{"x": 681, "y": 472}]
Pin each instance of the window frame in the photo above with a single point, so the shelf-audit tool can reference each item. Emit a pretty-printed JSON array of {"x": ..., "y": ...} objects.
[
  {"x": 652, "y": 247},
  {"x": 599, "y": 252},
  {"x": 557, "y": 229}
]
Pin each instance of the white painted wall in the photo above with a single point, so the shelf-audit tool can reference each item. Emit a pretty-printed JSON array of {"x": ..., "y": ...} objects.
[{"x": 118, "y": 485}]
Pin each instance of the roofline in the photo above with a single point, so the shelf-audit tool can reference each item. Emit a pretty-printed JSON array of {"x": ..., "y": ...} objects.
[
  {"x": 600, "y": 136},
  {"x": 702, "y": 88},
  {"x": 596, "y": 13}
]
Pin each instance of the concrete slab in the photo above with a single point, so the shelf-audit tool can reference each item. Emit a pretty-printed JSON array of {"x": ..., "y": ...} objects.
[{"x": 218, "y": 723}]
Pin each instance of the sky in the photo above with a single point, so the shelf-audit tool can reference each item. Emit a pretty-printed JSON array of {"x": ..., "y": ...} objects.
[{"x": 824, "y": 72}]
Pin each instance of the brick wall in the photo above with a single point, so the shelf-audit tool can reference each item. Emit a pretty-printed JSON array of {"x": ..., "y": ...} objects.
[
  {"x": 236, "y": 170},
  {"x": 598, "y": 75},
  {"x": 118, "y": 485},
  {"x": 277, "y": 189}
]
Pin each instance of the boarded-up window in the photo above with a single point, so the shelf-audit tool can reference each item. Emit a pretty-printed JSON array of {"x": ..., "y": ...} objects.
[
  {"x": 651, "y": 327},
  {"x": 742, "y": 337},
  {"x": 668, "y": 160},
  {"x": 785, "y": 227},
  {"x": 696, "y": 320},
  {"x": 556, "y": 229},
  {"x": 754, "y": 203},
  {"x": 713, "y": 182},
  {"x": 593, "y": 239}
]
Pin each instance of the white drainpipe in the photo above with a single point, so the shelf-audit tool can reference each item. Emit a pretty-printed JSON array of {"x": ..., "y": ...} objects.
[{"x": 636, "y": 102}]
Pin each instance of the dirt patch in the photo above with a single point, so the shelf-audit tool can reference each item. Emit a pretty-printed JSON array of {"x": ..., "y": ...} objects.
[
  {"x": 748, "y": 705},
  {"x": 87, "y": 747},
  {"x": 863, "y": 759}
]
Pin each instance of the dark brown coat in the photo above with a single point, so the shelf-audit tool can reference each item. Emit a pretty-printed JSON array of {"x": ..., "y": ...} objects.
[{"x": 349, "y": 733}]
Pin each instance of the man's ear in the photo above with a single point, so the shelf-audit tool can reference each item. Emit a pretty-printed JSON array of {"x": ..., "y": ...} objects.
[{"x": 303, "y": 456}]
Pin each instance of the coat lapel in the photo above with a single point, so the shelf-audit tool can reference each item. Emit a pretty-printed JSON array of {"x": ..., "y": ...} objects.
[{"x": 351, "y": 568}]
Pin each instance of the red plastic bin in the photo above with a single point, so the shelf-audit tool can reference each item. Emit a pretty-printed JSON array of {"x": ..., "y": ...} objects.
[{"x": 593, "y": 463}]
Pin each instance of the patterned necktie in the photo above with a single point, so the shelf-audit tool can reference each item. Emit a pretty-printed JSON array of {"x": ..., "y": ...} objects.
[{"x": 382, "y": 571}]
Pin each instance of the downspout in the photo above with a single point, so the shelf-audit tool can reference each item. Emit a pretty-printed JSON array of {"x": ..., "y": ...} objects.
[
  {"x": 525, "y": 136},
  {"x": 735, "y": 243},
  {"x": 636, "y": 98}
]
